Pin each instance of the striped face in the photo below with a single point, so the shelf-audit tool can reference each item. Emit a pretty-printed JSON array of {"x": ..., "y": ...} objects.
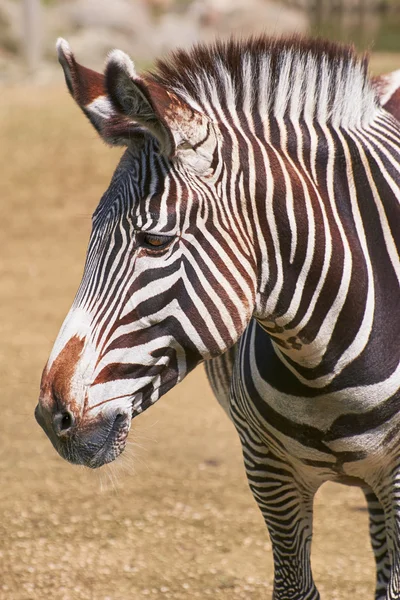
[{"x": 165, "y": 286}]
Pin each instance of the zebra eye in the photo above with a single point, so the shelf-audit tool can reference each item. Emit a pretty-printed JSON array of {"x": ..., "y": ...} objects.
[{"x": 155, "y": 242}]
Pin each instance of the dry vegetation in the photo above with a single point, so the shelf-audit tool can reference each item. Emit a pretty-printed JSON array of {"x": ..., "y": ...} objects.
[{"x": 180, "y": 522}]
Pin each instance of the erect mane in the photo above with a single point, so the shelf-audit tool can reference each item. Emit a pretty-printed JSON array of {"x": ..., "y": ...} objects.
[{"x": 295, "y": 77}]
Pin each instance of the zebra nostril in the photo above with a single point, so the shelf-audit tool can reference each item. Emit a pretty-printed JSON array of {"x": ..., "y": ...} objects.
[
  {"x": 119, "y": 421},
  {"x": 66, "y": 421},
  {"x": 63, "y": 422}
]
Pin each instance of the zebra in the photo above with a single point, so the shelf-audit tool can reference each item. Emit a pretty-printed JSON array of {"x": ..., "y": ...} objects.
[{"x": 252, "y": 224}]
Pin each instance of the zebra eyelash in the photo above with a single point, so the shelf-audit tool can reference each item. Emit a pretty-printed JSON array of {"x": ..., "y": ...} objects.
[{"x": 154, "y": 242}]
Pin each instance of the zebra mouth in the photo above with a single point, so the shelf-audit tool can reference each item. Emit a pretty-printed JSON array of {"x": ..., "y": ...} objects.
[{"x": 114, "y": 443}]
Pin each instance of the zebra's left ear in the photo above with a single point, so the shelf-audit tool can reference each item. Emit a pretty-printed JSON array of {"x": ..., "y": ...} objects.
[
  {"x": 87, "y": 87},
  {"x": 181, "y": 130}
]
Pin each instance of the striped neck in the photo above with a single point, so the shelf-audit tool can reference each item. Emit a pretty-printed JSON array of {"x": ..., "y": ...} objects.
[{"x": 329, "y": 249}]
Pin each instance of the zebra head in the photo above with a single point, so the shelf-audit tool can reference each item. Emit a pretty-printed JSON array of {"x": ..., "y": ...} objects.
[{"x": 166, "y": 285}]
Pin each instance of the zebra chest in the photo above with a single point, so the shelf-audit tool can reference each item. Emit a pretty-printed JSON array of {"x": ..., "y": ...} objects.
[
  {"x": 330, "y": 430},
  {"x": 333, "y": 436}
]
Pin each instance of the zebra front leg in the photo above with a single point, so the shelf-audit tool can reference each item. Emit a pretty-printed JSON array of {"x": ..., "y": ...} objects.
[
  {"x": 287, "y": 507},
  {"x": 219, "y": 374},
  {"x": 393, "y": 540},
  {"x": 388, "y": 492},
  {"x": 377, "y": 530}
]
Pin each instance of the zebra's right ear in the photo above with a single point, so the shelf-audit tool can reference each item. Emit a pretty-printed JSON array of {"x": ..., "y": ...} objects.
[
  {"x": 87, "y": 87},
  {"x": 183, "y": 132}
]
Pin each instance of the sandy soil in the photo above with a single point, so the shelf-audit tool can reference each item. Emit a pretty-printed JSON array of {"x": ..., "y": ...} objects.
[{"x": 173, "y": 518}]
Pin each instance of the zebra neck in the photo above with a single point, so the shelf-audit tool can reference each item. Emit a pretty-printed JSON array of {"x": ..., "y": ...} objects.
[{"x": 328, "y": 256}]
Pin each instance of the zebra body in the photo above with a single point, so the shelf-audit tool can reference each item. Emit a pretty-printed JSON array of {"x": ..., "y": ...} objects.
[
  {"x": 290, "y": 451},
  {"x": 253, "y": 222}
]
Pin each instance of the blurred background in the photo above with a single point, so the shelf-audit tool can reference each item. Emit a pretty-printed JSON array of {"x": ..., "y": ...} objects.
[
  {"x": 149, "y": 28},
  {"x": 173, "y": 518}
]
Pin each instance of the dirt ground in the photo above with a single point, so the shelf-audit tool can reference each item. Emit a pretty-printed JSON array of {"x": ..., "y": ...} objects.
[{"x": 173, "y": 518}]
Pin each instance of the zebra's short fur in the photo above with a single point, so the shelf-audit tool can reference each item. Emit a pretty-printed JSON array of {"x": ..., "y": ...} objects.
[{"x": 254, "y": 223}]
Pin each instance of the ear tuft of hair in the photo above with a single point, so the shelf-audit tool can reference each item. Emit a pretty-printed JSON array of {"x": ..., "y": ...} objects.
[
  {"x": 121, "y": 61},
  {"x": 63, "y": 49},
  {"x": 67, "y": 61}
]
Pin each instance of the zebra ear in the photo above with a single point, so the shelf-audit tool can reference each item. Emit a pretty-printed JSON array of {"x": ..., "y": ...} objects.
[
  {"x": 87, "y": 87},
  {"x": 388, "y": 90},
  {"x": 180, "y": 129}
]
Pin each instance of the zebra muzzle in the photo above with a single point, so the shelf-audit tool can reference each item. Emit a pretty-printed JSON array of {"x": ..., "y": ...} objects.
[{"x": 90, "y": 442}]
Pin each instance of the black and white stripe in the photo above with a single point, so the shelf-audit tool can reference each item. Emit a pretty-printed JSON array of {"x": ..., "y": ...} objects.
[{"x": 273, "y": 172}]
